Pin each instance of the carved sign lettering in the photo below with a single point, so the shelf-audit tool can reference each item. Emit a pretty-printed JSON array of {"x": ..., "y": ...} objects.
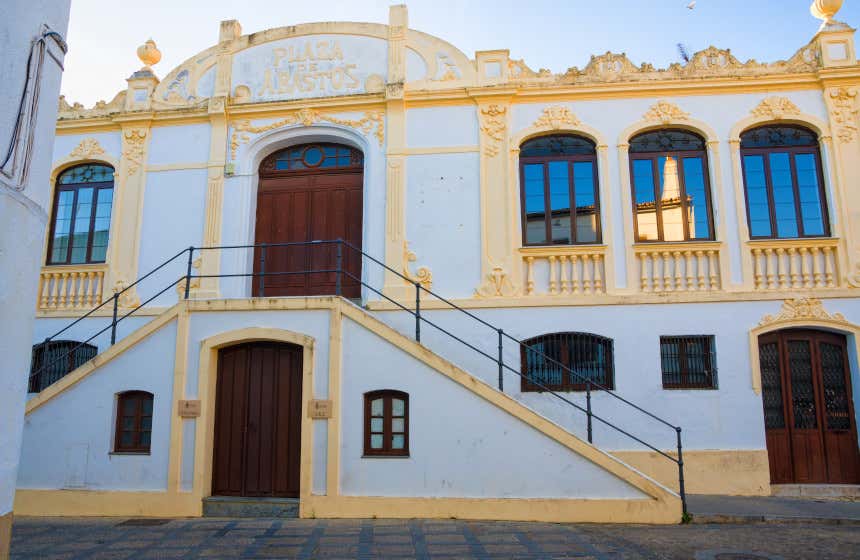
[{"x": 309, "y": 67}]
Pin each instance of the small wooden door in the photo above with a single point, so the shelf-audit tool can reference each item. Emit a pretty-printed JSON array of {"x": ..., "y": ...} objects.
[
  {"x": 258, "y": 421},
  {"x": 307, "y": 193},
  {"x": 809, "y": 413}
]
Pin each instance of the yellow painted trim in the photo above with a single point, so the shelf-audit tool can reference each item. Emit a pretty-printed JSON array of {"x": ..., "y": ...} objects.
[
  {"x": 509, "y": 405},
  {"x": 80, "y": 373},
  {"x": 335, "y": 361},
  {"x": 207, "y": 389},
  {"x": 735, "y": 472},
  {"x": 176, "y": 167},
  {"x": 88, "y": 503},
  {"x": 106, "y": 311},
  {"x": 555, "y": 250},
  {"x": 180, "y": 366},
  {"x": 5, "y": 535},
  {"x": 834, "y": 323}
]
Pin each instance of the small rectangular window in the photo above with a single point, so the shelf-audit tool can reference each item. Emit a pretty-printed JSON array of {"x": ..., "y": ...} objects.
[
  {"x": 386, "y": 424},
  {"x": 688, "y": 362},
  {"x": 133, "y": 422}
]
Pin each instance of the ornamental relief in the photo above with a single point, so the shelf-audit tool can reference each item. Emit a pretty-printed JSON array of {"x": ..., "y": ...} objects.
[
  {"x": 89, "y": 148},
  {"x": 775, "y": 108},
  {"x": 843, "y": 112},
  {"x": 100, "y": 109},
  {"x": 801, "y": 309},
  {"x": 422, "y": 275},
  {"x": 555, "y": 117},
  {"x": 497, "y": 284},
  {"x": 133, "y": 148},
  {"x": 665, "y": 112},
  {"x": 494, "y": 123},
  {"x": 373, "y": 122}
]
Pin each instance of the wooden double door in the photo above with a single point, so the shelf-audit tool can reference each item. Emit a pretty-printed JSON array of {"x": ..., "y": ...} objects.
[
  {"x": 311, "y": 192},
  {"x": 257, "y": 446},
  {"x": 809, "y": 413}
]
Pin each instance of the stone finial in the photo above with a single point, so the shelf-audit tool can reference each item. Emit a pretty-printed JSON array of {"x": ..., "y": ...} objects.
[
  {"x": 149, "y": 54},
  {"x": 825, "y": 10}
]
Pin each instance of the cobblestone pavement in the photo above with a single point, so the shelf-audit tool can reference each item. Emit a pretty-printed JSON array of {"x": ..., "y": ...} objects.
[{"x": 103, "y": 539}]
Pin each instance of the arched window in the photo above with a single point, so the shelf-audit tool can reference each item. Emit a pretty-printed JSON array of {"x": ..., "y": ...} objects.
[
  {"x": 783, "y": 183},
  {"x": 386, "y": 423},
  {"x": 55, "y": 359},
  {"x": 566, "y": 362},
  {"x": 83, "y": 197},
  {"x": 671, "y": 192},
  {"x": 133, "y": 422},
  {"x": 557, "y": 174}
]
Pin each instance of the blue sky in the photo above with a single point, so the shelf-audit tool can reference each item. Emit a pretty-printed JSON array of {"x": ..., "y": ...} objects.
[{"x": 554, "y": 34}]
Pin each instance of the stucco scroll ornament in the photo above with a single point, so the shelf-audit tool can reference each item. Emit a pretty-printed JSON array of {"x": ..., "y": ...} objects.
[
  {"x": 372, "y": 122},
  {"x": 844, "y": 113},
  {"x": 497, "y": 284},
  {"x": 556, "y": 116},
  {"x": 89, "y": 148},
  {"x": 422, "y": 275},
  {"x": 665, "y": 112},
  {"x": 133, "y": 150},
  {"x": 775, "y": 108},
  {"x": 127, "y": 298},
  {"x": 799, "y": 309},
  {"x": 493, "y": 126},
  {"x": 195, "y": 282}
]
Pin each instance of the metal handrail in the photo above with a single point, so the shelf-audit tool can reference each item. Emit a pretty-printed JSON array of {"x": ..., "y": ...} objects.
[{"x": 339, "y": 271}]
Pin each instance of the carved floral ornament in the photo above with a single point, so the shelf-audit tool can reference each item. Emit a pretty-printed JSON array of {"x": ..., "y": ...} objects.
[
  {"x": 494, "y": 122},
  {"x": 775, "y": 108},
  {"x": 422, "y": 275},
  {"x": 665, "y": 112},
  {"x": 89, "y": 148},
  {"x": 801, "y": 309},
  {"x": 371, "y": 122},
  {"x": 497, "y": 284},
  {"x": 133, "y": 147},
  {"x": 844, "y": 112},
  {"x": 555, "y": 117}
]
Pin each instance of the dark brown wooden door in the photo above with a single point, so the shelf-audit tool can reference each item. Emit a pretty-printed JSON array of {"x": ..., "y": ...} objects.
[
  {"x": 258, "y": 420},
  {"x": 809, "y": 413},
  {"x": 307, "y": 193}
]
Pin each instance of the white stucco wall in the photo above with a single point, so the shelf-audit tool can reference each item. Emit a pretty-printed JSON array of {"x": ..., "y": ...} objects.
[
  {"x": 23, "y": 214},
  {"x": 69, "y": 440}
]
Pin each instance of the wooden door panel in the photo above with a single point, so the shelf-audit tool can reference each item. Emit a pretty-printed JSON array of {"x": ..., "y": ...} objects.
[
  {"x": 779, "y": 456},
  {"x": 231, "y": 409}
]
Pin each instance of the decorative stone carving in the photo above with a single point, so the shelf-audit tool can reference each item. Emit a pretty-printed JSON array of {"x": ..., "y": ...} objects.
[
  {"x": 149, "y": 54},
  {"x": 177, "y": 89},
  {"x": 374, "y": 84},
  {"x": 128, "y": 298},
  {"x": 372, "y": 122},
  {"x": 422, "y": 275},
  {"x": 800, "y": 309},
  {"x": 100, "y": 109},
  {"x": 775, "y": 108},
  {"x": 89, "y": 148},
  {"x": 195, "y": 282},
  {"x": 556, "y": 116},
  {"x": 497, "y": 284},
  {"x": 844, "y": 113},
  {"x": 665, "y": 112},
  {"x": 493, "y": 126},
  {"x": 133, "y": 149}
]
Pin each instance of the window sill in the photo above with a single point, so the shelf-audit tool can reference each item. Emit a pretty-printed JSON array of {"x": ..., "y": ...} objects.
[
  {"x": 386, "y": 457},
  {"x": 129, "y": 453}
]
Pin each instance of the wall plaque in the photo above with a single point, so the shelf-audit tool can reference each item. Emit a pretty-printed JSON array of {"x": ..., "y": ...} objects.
[
  {"x": 319, "y": 409},
  {"x": 189, "y": 409}
]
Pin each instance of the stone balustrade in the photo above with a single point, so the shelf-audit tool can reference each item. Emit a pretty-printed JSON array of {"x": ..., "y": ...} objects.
[
  {"x": 71, "y": 287},
  {"x": 788, "y": 264},
  {"x": 678, "y": 267},
  {"x": 570, "y": 270}
]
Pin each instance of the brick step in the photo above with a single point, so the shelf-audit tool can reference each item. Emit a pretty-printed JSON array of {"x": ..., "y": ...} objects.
[{"x": 235, "y": 506}]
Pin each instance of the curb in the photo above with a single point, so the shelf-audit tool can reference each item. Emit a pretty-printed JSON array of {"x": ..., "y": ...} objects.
[{"x": 712, "y": 518}]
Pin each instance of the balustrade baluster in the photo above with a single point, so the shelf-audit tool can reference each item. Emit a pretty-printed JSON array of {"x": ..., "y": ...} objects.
[
  {"x": 565, "y": 287},
  {"x": 530, "y": 275},
  {"x": 64, "y": 290},
  {"x": 598, "y": 274},
  {"x": 805, "y": 280},
  {"x": 553, "y": 289},
  {"x": 816, "y": 270},
  {"x": 644, "y": 285},
  {"x": 771, "y": 283},
  {"x": 700, "y": 269},
  {"x": 828, "y": 268},
  {"x": 712, "y": 269},
  {"x": 792, "y": 270},
  {"x": 781, "y": 268},
  {"x": 586, "y": 274},
  {"x": 667, "y": 272},
  {"x": 689, "y": 262},
  {"x": 676, "y": 257},
  {"x": 574, "y": 273}
]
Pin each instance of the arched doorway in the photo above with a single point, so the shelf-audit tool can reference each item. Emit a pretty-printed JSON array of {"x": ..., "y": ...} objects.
[
  {"x": 808, "y": 409},
  {"x": 257, "y": 443},
  {"x": 309, "y": 192}
]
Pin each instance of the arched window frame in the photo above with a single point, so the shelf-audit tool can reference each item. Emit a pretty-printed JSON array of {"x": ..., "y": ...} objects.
[
  {"x": 813, "y": 149},
  {"x": 388, "y": 417},
  {"x": 568, "y": 348},
  {"x": 99, "y": 187},
  {"x": 654, "y": 157},
  {"x": 571, "y": 159},
  {"x": 138, "y": 407}
]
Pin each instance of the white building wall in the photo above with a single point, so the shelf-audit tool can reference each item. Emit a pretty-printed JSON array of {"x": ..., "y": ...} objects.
[{"x": 23, "y": 214}]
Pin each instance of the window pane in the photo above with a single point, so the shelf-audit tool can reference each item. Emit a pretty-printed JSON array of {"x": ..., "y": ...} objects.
[
  {"x": 587, "y": 216},
  {"x": 758, "y": 205},
  {"x": 147, "y": 405},
  {"x": 102, "y": 225},
  {"x": 397, "y": 407},
  {"x": 559, "y": 199},
  {"x": 81, "y": 234},
  {"x": 666, "y": 141},
  {"x": 144, "y": 439},
  {"x": 397, "y": 425},
  {"x": 129, "y": 406},
  {"x": 670, "y": 199},
  {"x": 128, "y": 422},
  {"x": 698, "y": 212},
  {"x": 127, "y": 439},
  {"x": 535, "y": 203},
  {"x": 146, "y": 423},
  {"x": 398, "y": 442},
  {"x": 62, "y": 224},
  {"x": 376, "y": 407},
  {"x": 376, "y": 441},
  {"x": 783, "y": 195},
  {"x": 643, "y": 190},
  {"x": 810, "y": 194},
  {"x": 376, "y": 425},
  {"x": 561, "y": 145}
]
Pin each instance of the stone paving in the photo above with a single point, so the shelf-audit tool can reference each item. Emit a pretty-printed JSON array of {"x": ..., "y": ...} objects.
[{"x": 114, "y": 539}]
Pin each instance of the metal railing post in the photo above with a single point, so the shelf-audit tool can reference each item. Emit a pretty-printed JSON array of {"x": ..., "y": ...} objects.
[
  {"x": 588, "y": 407},
  {"x": 501, "y": 362},
  {"x": 262, "y": 281},
  {"x": 188, "y": 271},
  {"x": 417, "y": 311},
  {"x": 113, "y": 322},
  {"x": 681, "y": 490},
  {"x": 337, "y": 279}
]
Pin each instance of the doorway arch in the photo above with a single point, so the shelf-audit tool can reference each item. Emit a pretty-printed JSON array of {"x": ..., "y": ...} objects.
[{"x": 309, "y": 192}]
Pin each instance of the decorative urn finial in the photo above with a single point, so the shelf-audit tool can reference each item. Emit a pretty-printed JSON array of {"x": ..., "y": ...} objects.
[
  {"x": 825, "y": 10},
  {"x": 149, "y": 54}
]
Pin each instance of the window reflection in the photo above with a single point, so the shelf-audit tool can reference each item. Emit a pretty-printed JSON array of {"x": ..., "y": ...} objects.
[{"x": 81, "y": 220}]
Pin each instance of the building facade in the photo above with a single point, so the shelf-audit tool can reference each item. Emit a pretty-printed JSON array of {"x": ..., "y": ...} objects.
[{"x": 597, "y": 258}]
